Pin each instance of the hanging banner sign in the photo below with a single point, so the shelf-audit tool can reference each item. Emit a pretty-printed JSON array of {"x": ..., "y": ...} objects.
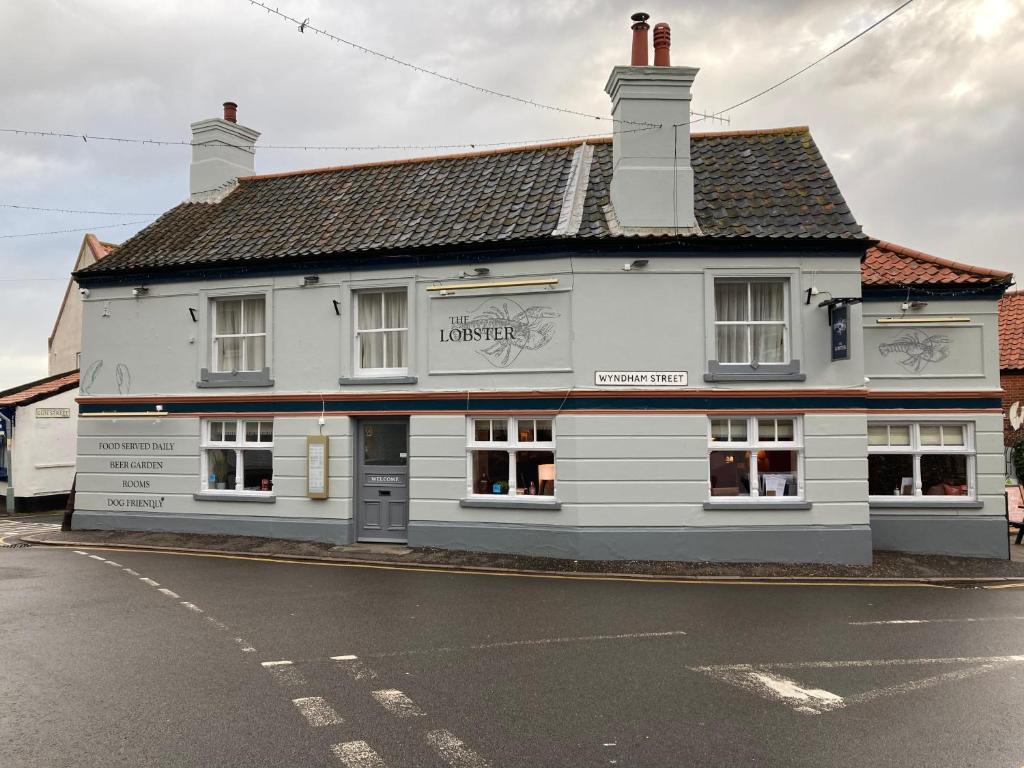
[{"x": 839, "y": 319}]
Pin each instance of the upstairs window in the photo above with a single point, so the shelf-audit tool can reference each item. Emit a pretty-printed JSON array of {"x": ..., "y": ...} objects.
[
  {"x": 381, "y": 332},
  {"x": 239, "y": 330},
  {"x": 751, "y": 321}
]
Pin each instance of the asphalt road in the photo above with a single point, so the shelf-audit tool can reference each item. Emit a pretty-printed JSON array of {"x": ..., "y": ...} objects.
[{"x": 99, "y": 667}]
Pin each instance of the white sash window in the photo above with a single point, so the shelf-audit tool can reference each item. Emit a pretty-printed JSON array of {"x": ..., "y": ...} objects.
[
  {"x": 755, "y": 457},
  {"x": 511, "y": 456},
  {"x": 381, "y": 333},
  {"x": 238, "y": 455},
  {"x": 751, "y": 321},
  {"x": 239, "y": 330}
]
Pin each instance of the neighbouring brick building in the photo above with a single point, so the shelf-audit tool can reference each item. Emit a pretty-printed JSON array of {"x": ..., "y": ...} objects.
[{"x": 1011, "y": 365}]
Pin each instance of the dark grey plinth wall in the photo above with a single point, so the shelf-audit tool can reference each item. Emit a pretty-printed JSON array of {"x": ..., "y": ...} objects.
[
  {"x": 981, "y": 536},
  {"x": 301, "y": 529}
]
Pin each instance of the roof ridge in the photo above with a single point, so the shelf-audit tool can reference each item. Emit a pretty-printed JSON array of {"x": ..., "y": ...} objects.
[
  {"x": 915, "y": 254},
  {"x": 510, "y": 150}
]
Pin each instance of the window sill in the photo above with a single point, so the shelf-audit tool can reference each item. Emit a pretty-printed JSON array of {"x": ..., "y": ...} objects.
[
  {"x": 756, "y": 506},
  {"x": 919, "y": 502},
  {"x": 256, "y": 498},
  {"x": 765, "y": 372},
  {"x": 348, "y": 381},
  {"x": 511, "y": 502},
  {"x": 211, "y": 379}
]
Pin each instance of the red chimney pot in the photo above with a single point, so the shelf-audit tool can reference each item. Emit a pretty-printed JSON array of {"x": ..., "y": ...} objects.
[
  {"x": 662, "y": 43},
  {"x": 230, "y": 112},
  {"x": 640, "y": 27}
]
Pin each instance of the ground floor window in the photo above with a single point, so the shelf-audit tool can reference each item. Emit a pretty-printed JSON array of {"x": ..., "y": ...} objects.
[
  {"x": 511, "y": 456},
  {"x": 238, "y": 455},
  {"x": 755, "y": 456},
  {"x": 920, "y": 459}
]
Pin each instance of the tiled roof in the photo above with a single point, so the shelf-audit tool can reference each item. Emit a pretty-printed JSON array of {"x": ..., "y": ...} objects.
[
  {"x": 755, "y": 184},
  {"x": 1011, "y": 331},
  {"x": 890, "y": 265},
  {"x": 99, "y": 248},
  {"x": 38, "y": 390}
]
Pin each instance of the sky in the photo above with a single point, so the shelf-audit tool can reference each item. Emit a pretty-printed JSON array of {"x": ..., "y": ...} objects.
[{"x": 920, "y": 120}]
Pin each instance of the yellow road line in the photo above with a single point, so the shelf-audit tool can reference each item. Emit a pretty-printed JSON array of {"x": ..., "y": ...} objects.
[{"x": 561, "y": 576}]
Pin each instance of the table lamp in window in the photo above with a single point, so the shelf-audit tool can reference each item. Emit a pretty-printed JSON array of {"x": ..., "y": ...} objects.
[{"x": 546, "y": 476}]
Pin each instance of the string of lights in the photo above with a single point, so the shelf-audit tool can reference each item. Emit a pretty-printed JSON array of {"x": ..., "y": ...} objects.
[
  {"x": 86, "y": 137},
  {"x": 70, "y": 210},
  {"x": 303, "y": 25},
  {"x": 76, "y": 229}
]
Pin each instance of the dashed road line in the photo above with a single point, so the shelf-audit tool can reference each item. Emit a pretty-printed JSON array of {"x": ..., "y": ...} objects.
[
  {"x": 192, "y": 606},
  {"x": 169, "y": 593},
  {"x": 357, "y": 754},
  {"x": 935, "y": 621},
  {"x": 317, "y": 711},
  {"x": 111, "y": 562},
  {"x": 151, "y": 583},
  {"x": 347, "y": 657},
  {"x": 540, "y": 641},
  {"x": 355, "y": 668},
  {"x": 97, "y": 557},
  {"x": 397, "y": 703},
  {"x": 453, "y": 751},
  {"x": 284, "y": 672},
  {"x": 80, "y": 552},
  {"x": 130, "y": 572},
  {"x": 244, "y": 645}
]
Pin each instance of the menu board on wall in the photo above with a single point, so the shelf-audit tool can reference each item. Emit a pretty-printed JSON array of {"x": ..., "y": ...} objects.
[
  {"x": 505, "y": 332},
  {"x": 317, "y": 460}
]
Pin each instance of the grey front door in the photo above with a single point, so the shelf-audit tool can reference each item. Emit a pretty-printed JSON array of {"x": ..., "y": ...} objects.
[{"x": 382, "y": 479}]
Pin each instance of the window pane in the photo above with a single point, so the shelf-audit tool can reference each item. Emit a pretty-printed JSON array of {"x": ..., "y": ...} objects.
[
  {"x": 944, "y": 474},
  {"x": 777, "y": 473},
  {"x": 766, "y": 430},
  {"x": 395, "y": 347},
  {"x": 952, "y": 435},
  {"x": 732, "y": 343},
  {"x": 369, "y": 313},
  {"x": 228, "y": 316},
  {"x": 385, "y": 444},
  {"x": 899, "y": 435},
  {"x": 931, "y": 434},
  {"x": 229, "y": 354},
  {"x": 767, "y": 301},
  {"x": 719, "y": 430},
  {"x": 499, "y": 430},
  {"x": 730, "y": 301},
  {"x": 535, "y": 473},
  {"x": 258, "y": 470},
  {"x": 371, "y": 350},
  {"x": 252, "y": 431},
  {"x": 266, "y": 431},
  {"x": 730, "y": 473},
  {"x": 490, "y": 472},
  {"x": 786, "y": 430},
  {"x": 216, "y": 431},
  {"x": 255, "y": 359},
  {"x": 738, "y": 430},
  {"x": 482, "y": 430},
  {"x": 254, "y": 316},
  {"x": 526, "y": 431},
  {"x": 544, "y": 431},
  {"x": 878, "y": 434},
  {"x": 230, "y": 431},
  {"x": 394, "y": 310},
  {"x": 890, "y": 474},
  {"x": 769, "y": 343},
  {"x": 220, "y": 463}
]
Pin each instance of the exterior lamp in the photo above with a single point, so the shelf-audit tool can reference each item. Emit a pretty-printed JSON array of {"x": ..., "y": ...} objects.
[
  {"x": 140, "y": 291},
  {"x": 546, "y": 474},
  {"x": 310, "y": 280},
  {"x": 635, "y": 264}
]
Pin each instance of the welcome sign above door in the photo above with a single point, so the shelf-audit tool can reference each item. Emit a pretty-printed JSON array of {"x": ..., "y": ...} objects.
[{"x": 507, "y": 332}]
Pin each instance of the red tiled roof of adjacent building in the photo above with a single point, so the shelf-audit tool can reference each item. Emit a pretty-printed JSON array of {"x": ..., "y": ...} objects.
[
  {"x": 26, "y": 394},
  {"x": 888, "y": 264},
  {"x": 1011, "y": 331}
]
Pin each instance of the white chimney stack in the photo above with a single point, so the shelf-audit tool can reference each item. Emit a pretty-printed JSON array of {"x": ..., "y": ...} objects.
[
  {"x": 652, "y": 181},
  {"x": 222, "y": 150}
]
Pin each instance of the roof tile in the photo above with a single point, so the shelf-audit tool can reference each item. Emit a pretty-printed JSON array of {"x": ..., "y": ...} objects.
[{"x": 1011, "y": 331}]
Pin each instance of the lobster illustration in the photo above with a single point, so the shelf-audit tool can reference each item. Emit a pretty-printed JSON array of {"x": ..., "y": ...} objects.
[
  {"x": 529, "y": 330},
  {"x": 919, "y": 349}
]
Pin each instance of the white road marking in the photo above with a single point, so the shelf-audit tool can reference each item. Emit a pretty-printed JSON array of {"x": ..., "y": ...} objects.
[
  {"x": 192, "y": 606},
  {"x": 757, "y": 679},
  {"x": 169, "y": 593},
  {"x": 453, "y": 751},
  {"x": 541, "y": 641},
  {"x": 79, "y": 552},
  {"x": 97, "y": 557},
  {"x": 216, "y": 623},
  {"x": 111, "y": 562},
  {"x": 149, "y": 581},
  {"x": 130, "y": 572},
  {"x": 357, "y": 754},
  {"x": 935, "y": 621},
  {"x": 317, "y": 711},
  {"x": 284, "y": 672},
  {"x": 356, "y": 669},
  {"x": 343, "y": 658},
  {"x": 397, "y": 703},
  {"x": 245, "y": 647}
]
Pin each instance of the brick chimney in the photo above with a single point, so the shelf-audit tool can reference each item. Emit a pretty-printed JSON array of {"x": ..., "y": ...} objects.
[
  {"x": 652, "y": 181},
  {"x": 222, "y": 150}
]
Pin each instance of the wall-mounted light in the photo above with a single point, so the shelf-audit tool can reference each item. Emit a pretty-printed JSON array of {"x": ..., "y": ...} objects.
[
  {"x": 913, "y": 305},
  {"x": 310, "y": 280},
  {"x": 140, "y": 290},
  {"x": 635, "y": 264},
  {"x": 482, "y": 271}
]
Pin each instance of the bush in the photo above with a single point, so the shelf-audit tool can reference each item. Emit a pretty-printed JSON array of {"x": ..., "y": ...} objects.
[{"x": 1018, "y": 460}]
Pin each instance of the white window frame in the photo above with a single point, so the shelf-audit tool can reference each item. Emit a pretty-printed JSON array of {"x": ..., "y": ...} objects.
[
  {"x": 513, "y": 445},
  {"x": 917, "y": 450},
  {"x": 215, "y": 337},
  {"x": 787, "y": 348},
  {"x": 752, "y": 445},
  {"x": 357, "y": 296},
  {"x": 240, "y": 445}
]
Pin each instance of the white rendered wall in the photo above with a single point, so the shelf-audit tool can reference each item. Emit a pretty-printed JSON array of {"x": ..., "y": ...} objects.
[{"x": 43, "y": 450}]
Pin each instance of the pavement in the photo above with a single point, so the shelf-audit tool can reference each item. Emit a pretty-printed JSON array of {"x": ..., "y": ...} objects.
[{"x": 143, "y": 658}]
